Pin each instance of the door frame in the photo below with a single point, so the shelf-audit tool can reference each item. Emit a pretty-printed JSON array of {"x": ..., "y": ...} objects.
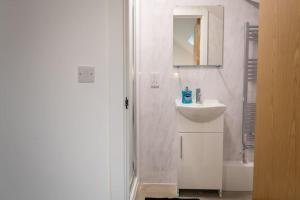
[
  {"x": 118, "y": 145},
  {"x": 132, "y": 78},
  {"x": 118, "y": 87}
]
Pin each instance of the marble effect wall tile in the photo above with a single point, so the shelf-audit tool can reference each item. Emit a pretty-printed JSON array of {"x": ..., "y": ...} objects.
[{"x": 158, "y": 138}]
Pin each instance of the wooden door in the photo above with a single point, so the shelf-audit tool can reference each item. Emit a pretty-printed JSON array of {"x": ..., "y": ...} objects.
[{"x": 277, "y": 155}]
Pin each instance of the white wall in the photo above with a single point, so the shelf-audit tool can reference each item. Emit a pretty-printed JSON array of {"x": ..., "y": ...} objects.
[
  {"x": 158, "y": 149},
  {"x": 54, "y": 132}
]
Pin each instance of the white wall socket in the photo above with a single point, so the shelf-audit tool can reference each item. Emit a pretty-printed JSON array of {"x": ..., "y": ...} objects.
[{"x": 155, "y": 79}]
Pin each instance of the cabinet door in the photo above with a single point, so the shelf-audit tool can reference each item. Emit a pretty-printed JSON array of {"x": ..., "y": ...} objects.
[{"x": 201, "y": 161}]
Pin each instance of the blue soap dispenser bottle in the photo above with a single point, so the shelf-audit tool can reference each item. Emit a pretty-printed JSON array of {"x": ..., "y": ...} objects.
[{"x": 186, "y": 96}]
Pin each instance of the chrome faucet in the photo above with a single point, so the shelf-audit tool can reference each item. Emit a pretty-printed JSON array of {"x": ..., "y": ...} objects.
[{"x": 198, "y": 96}]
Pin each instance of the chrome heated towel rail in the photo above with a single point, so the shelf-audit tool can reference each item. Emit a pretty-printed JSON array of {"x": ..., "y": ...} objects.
[{"x": 250, "y": 76}]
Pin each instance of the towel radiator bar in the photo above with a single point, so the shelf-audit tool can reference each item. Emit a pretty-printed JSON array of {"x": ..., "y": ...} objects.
[{"x": 249, "y": 108}]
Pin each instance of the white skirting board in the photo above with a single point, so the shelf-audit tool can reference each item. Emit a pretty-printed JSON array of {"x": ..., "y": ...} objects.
[{"x": 237, "y": 176}]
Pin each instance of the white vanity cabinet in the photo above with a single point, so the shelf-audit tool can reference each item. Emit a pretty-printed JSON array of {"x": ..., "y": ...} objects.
[{"x": 200, "y": 163}]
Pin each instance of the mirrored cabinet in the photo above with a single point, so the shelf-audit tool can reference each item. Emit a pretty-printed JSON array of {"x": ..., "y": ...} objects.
[{"x": 198, "y": 34}]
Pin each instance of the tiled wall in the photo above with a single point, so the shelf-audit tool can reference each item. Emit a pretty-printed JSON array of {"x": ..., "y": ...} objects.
[{"x": 158, "y": 141}]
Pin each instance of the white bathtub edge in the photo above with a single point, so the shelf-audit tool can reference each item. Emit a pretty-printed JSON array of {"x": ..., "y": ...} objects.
[{"x": 237, "y": 176}]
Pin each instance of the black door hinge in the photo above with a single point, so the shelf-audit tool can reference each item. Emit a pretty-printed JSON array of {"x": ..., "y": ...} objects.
[{"x": 126, "y": 103}]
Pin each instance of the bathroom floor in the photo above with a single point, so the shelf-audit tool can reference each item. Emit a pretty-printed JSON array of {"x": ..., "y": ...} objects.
[{"x": 203, "y": 195}]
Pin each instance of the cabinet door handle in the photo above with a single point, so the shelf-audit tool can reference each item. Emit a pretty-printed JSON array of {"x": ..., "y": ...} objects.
[{"x": 181, "y": 155}]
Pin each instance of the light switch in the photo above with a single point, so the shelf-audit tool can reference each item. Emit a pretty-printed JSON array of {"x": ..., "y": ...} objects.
[
  {"x": 86, "y": 74},
  {"x": 154, "y": 80}
]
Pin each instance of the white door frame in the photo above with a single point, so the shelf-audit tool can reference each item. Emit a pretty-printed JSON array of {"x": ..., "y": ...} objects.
[
  {"x": 137, "y": 81},
  {"x": 132, "y": 50},
  {"x": 118, "y": 153},
  {"x": 118, "y": 76},
  {"x": 134, "y": 56},
  {"x": 130, "y": 87}
]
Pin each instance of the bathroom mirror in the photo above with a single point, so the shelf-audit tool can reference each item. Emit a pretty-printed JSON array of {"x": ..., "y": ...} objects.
[{"x": 198, "y": 34}]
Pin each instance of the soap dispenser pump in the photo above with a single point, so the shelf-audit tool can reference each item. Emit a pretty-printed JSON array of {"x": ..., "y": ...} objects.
[{"x": 186, "y": 96}]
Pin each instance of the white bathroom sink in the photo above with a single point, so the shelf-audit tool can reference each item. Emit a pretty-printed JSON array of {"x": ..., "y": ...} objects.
[{"x": 204, "y": 112}]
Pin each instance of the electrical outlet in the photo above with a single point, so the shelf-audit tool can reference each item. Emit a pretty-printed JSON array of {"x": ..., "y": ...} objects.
[{"x": 154, "y": 80}]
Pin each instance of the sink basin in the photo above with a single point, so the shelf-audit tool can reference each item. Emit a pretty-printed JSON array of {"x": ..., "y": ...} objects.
[{"x": 204, "y": 112}]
